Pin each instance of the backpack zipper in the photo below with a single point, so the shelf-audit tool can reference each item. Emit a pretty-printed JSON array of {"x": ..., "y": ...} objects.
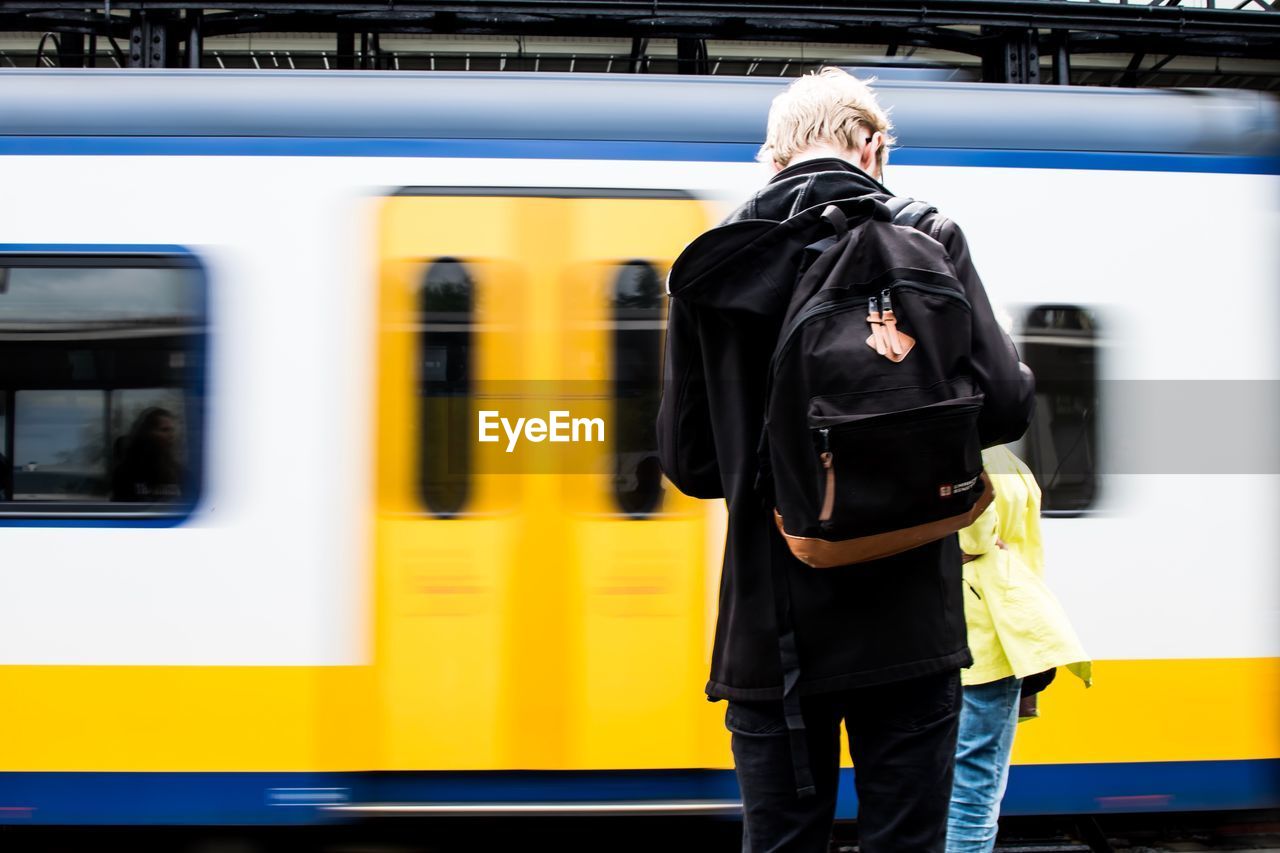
[
  {"x": 936, "y": 290},
  {"x": 873, "y": 421},
  {"x": 828, "y": 462},
  {"x": 846, "y": 303},
  {"x": 890, "y": 322}
]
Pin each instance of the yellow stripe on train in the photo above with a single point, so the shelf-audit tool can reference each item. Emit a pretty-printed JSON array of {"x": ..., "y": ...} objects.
[{"x": 105, "y": 718}]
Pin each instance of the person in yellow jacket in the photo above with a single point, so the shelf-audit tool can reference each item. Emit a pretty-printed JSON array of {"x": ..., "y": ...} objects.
[{"x": 1016, "y": 629}]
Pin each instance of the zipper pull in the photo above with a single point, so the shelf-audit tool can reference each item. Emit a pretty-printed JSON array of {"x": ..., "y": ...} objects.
[
  {"x": 877, "y": 339},
  {"x": 828, "y": 462},
  {"x": 890, "y": 322}
]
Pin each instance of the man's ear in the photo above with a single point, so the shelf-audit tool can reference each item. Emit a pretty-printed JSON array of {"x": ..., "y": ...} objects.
[{"x": 867, "y": 158}]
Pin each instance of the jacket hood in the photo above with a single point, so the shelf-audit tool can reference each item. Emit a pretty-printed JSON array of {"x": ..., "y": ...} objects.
[
  {"x": 748, "y": 262},
  {"x": 805, "y": 184}
]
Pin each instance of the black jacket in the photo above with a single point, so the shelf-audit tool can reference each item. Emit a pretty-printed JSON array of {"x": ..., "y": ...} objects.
[{"x": 866, "y": 624}]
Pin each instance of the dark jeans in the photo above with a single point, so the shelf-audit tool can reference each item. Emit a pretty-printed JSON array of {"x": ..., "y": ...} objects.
[{"x": 902, "y": 738}]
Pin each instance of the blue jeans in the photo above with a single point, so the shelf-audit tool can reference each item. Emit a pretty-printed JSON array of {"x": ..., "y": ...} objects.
[{"x": 987, "y": 720}]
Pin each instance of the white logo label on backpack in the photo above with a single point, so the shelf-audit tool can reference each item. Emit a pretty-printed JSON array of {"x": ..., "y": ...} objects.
[{"x": 949, "y": 489}]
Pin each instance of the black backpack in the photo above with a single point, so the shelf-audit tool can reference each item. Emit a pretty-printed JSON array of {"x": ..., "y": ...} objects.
[{"x": 871, "y": 414}]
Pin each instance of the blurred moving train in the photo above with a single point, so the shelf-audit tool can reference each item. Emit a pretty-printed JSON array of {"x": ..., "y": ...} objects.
[{"x": 257, "y": 569}]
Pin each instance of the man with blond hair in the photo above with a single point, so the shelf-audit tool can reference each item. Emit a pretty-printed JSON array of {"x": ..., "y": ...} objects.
[{"x": 878, "y": 645}]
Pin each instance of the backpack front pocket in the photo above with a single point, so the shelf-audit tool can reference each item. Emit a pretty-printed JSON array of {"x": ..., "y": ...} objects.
[{"x": 890, "y": 470}]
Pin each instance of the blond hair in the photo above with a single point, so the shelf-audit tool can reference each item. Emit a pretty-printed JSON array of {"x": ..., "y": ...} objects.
[{"x": 825, "y": 106}]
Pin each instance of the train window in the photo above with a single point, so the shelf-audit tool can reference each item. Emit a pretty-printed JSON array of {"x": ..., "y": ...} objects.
[
  {"x": 446, "y": 308},
  {"x": 1060, "y": 344},
  {"x": 101, "y": 374},
  {"x": 6, "y": 473},
  {"x": 637, "y": 374}
]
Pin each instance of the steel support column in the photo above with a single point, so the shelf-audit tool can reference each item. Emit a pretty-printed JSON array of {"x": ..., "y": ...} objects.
[
  {"x": 195, "y": 39},
  {"x": 152, "y": 40},
  {"x": 346, "y": 51},
  {"x": 691, "y": 56},
  {"x": 1061, "y": 57},
  {"x": 638, "y": 61},
  {"x": 1013, "y": 58},
  {"x": 71, "y": 50}
]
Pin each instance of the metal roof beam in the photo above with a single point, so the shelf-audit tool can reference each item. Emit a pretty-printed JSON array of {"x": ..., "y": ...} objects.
[
  {"x": 742, "y": 19},
  {"x": 991, "y": 29}
]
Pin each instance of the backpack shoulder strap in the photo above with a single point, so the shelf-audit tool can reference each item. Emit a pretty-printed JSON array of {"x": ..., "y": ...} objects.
[{"x": 908, "y": 211}]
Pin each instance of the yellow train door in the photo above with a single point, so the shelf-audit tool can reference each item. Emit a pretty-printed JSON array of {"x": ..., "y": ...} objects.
[{"x": 541, "y": 603}]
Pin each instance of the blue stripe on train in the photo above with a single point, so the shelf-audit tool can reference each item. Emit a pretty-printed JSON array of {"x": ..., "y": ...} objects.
[
  {"x": 162, "y": 798},
  {"x": 583, "y": 149},
  {"x": 1142, "y": 786},
  {"x": 295, "y": 798}
]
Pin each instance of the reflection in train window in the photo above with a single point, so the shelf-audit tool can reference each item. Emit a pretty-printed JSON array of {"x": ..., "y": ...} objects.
[
  {"x": 101, "y": 379},
  {"x": 637, "y": 357},
  {"x": 59, "y": 445},
  {"x": 446, "y": 305},
  {"x": 1060, "y": 344}
]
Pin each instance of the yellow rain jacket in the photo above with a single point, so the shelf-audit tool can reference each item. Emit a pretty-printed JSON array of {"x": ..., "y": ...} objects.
[{"x": 1016, "y": 626}]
